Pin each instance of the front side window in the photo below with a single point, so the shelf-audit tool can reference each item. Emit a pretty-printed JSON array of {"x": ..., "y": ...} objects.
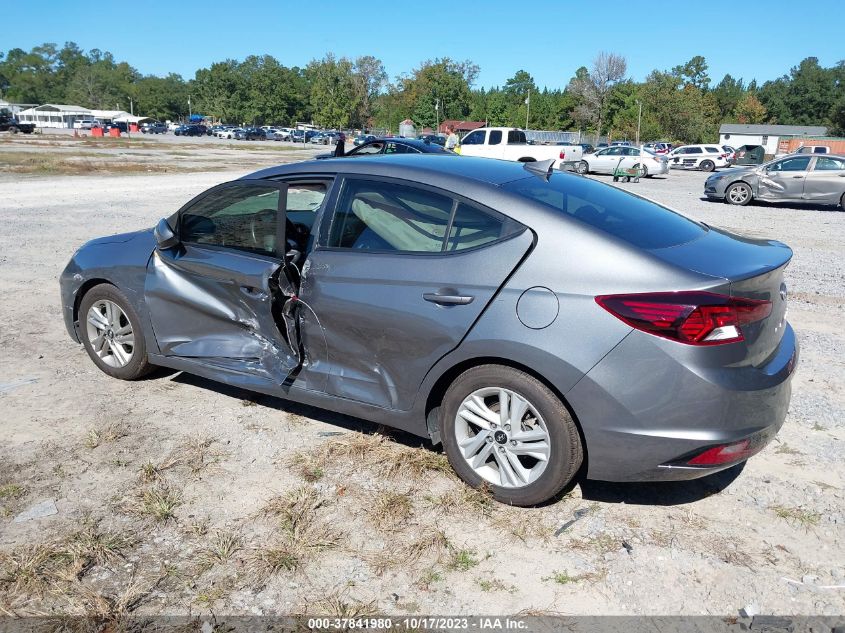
[
  {"x": 238, "y": 216},
  {"x": 474, "y": 138},
  {"x": 791, "y": 164}
]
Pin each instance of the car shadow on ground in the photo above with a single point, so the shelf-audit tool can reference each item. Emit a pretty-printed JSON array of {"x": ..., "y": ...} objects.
[
  {"x": 660, "y": 493},
  {"x": 340, "y": 420}
]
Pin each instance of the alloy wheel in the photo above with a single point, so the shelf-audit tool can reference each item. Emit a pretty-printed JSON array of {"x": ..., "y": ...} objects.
[
  {"x": 502, "y": 437},
  {"x": 110, "y": 333},
  {"x": 738, "y": 194}
]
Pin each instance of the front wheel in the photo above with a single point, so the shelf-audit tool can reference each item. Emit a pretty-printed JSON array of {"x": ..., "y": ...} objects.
[
  {"x": 738, "y": 193},
  {"x": 582, "y": 168},
  {"x": 707, "y": 165},
  {"x": 506, "y": 430},
  {"x": 842, "y": 203},
  {"x": 111, "y": 333}
]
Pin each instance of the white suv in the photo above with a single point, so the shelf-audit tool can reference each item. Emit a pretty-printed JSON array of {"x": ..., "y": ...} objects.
[{"x": 704, "y": 157}]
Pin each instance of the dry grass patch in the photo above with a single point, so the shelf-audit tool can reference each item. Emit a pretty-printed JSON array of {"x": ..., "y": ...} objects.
[
  {"x": 10, "y": 494},
  {"x": 308, "y": 466},
  {"x": 800, "y": 516},
  {"x": 600, "y": 544},
  {"x": 32, "y": 571},
  {"x": 302, "y": 533},
  {"x": 338, "y": 604},
  {"x": 388, "y": 458},
  {"x": 157, "y": 502},
  {"x": 106, "y": 435},
  {"x": 76, "y": 164},
  {"x": 220, "y": 549},
  {"x": 390, "y": 509},
  {"x": 429, "y": 550},
  {"x": 194, "y": 455}
]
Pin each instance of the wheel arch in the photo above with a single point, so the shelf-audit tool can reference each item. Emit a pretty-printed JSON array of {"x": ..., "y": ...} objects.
[
  {"x": 438, "y": 390},
  {"x": 83, "y": 290}
]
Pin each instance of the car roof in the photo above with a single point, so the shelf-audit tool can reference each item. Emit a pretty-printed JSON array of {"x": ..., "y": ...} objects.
[{"x": 448, "y": 168}]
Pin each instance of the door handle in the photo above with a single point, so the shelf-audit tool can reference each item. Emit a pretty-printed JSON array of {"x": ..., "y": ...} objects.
[
  {"x": 798, "y": 176},
  {"x": 448, "y": 300}
]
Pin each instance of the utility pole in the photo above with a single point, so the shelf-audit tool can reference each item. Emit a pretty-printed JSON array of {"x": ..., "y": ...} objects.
[
  {"x": 528, "y": 109},
  {"x": 190, "y": 113},
  {"x": 639, "y": 119},
  {"x": 437, "y": 112}
]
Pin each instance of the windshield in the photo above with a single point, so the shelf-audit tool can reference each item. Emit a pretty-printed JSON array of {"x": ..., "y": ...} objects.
[{"x": 625, "y": 216}]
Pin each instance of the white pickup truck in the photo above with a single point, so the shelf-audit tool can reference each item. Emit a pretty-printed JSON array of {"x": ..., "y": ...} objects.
[{"x": 509, "y": 143}]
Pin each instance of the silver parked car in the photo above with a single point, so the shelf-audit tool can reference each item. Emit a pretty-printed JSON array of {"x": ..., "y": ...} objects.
[
  {"x": 537, "y": 323},
  {"x": 609, "y": 159},
  {"x": 810, "y": 178}
]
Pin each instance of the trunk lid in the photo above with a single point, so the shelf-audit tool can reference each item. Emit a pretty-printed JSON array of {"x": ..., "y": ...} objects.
[{"x": 754, "y": 269}]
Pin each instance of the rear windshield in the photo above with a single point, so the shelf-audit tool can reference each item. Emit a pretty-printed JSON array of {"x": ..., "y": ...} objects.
[{"x": 622, "y": 215}]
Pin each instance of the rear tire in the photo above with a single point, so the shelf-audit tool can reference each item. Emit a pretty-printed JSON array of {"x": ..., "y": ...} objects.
[
  {"x": 111, "y": 333},
  {"x": 541, "y": 454},
  {"x": 583, "y": 168},
  {"x": 842, "y": 203},
  {"x": 13, "y": 130},
  {"x": 738, "y": 193},
  {"x": 707, "y": 165}
]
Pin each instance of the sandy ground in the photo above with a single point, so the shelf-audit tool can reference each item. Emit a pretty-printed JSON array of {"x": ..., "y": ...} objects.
[{"x": 175, "y": 495}]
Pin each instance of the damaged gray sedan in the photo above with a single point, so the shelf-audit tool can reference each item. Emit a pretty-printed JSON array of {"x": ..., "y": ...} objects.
[{"x": 540, "y": 325}]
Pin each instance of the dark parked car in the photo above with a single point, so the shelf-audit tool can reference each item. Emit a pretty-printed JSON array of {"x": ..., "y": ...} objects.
[
  {"x": 154, "y": 128},
  {"x": 802, "y": 178},
  {"x": 363, "y": 138},
  {"x": 433, "y": 138},
  {"x": 588, "y": 149},
  {"x": 395, "y": 146},
  {"x": 439, "y": 300},
  {"x": 10, "y": 123},
  {"x": 252, "y": 134},
  {"x": 190, "y": 130}
]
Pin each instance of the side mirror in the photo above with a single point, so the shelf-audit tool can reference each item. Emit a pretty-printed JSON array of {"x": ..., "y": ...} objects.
[{"x": 165, "y": 237}]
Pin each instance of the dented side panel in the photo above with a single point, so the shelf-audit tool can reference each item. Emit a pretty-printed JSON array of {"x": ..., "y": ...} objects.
[{"x": 217, "y": 306}]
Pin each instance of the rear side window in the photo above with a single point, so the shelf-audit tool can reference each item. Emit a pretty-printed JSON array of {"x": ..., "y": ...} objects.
[
  {"x": 385, "y": 216},
  {"x": 473, "y": 227},
  {"x": 829, "y": 164},
  {"x": 495, "y": 137},
  {"x": 712, "y": 150},
  {"x": 622, "y": 215}
]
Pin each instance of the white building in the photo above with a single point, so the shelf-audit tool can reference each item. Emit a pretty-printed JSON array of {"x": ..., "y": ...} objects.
[
  {"x": 739, "y": 134},
  {"x": 53, "y": 115}
]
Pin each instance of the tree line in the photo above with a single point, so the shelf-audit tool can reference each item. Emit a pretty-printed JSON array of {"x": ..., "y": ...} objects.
[{"x": 678, "y": 104}]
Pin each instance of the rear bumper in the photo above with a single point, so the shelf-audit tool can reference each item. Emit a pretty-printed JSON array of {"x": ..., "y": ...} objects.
[{"x": 662, "y": 410}]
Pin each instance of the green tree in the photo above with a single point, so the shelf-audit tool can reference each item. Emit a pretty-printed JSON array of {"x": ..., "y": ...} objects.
[
  {"x": 370, "y": 79},
  {"x": 728, "y": 93},
  {"x": 750, "y": 110},
  {"x": 334, "y": 97},
  {"x": 443, "y": 82},
  {"x": 693, "y": 73}
]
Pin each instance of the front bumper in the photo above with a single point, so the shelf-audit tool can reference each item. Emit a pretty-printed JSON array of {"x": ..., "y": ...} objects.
[{"x": 642, "y": 411}]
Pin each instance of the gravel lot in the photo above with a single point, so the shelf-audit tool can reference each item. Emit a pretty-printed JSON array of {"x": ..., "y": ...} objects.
[{"x": 179, "y": 496}]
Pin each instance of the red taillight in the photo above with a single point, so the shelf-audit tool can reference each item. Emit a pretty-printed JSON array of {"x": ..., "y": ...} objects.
[
  {"x": 725, "y": 454},
  {"x": 693, "y": 318},
  {"x": 562, "y": 154}
]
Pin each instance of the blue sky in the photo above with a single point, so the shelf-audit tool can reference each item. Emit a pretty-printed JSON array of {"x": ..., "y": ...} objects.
[{"x": 761, "y": 40}]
